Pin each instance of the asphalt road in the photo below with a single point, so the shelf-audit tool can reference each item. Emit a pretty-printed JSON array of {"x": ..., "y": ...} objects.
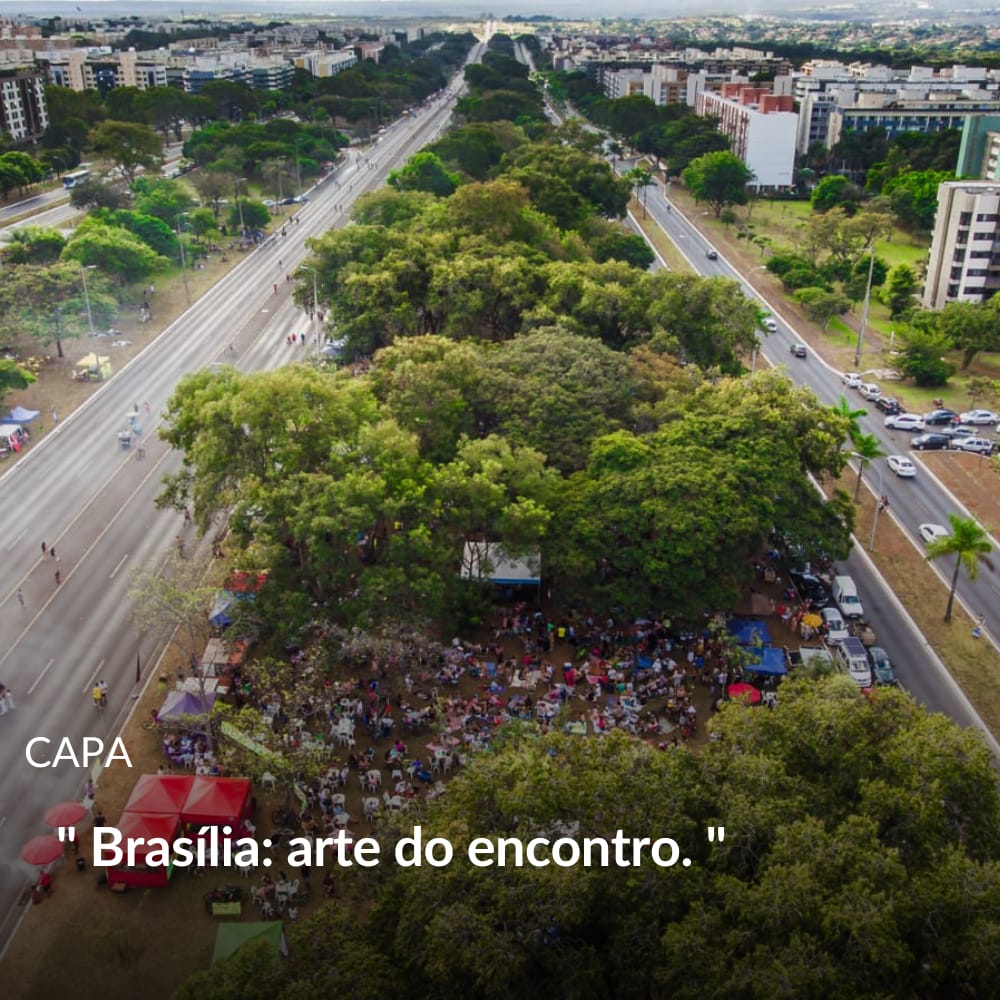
[
  {"x": 77, "y": 491},
  {"x": 912, "y": 501}
]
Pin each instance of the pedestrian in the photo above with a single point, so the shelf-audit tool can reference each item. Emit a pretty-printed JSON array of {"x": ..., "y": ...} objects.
[
  {"x": 977, "y": 630},
  {"x": 99, "y": 818},
  {"x": 275, "y": 289},
  {"x": 55, "y": 416},
  {"x": 45, "y": 549},
  {"x": 58, "y": 578},
  {"x": 103, "y": 685},
  {"x": 302, "y": 338},
  {"x": 187, "y": 517},
  {"x": 20, "y": 597},
  {"x": 88, "y": 789},
  {"x": 52, "y": 552},
  {"x": 8, "y": 700}
]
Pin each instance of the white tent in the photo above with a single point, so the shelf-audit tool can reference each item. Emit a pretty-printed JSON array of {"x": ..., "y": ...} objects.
[{"x": 488, "y": 561}]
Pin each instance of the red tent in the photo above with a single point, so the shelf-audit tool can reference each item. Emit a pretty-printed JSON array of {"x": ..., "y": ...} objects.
[
  {"x": 217, "y": 801},
  {"x": 147, "y": 826},
  {"x": 160, "y": 794},
  {"x": 245, "y": 583}
]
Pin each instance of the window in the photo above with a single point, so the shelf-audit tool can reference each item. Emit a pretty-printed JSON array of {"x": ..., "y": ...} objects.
[
  {"x": 983, "y": 234},
  {"x": 983, "y": 217},
  {"x": 958, "y": 256},
  {"x": 953, "y": 291},
  {"x": 956, "y": 273},
  {"x": 965, "y": 219}
]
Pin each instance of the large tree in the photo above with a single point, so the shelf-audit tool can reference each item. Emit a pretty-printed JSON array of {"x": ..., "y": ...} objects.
[
  {"x": 970, "y": 545},
  {"x": 720, "y": 179},
  {"x": 128, "y": 145}
]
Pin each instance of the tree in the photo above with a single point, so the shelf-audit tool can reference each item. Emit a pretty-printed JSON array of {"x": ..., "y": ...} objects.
[
  {"x": 13, "y": 376},
  {"x": 913, "y": 196},
  {"x": 822, "y": 305},
  {"x": 621, "y": 245},
  {"x": 969, "y": 543},
  {"x": 844, "y": 410},
  {"x": 900, "y": 287},
  {"x": 835, "y": 191},
  {"x": 972, "y": 327},
  {"x": 128, "y": 145},
  {"x": 246, "y": 211},
  {"x": 720, "y": 179},
  {"x": 424, "y": 171},
  {"x": 163, "y": 198},
  {"x": 18, "y": 170},
  {"x": 92, "y": 192},
  {"x": 115, "y": 251},
  {"x": 923, "y": 356},
  {"x": 214, "y": 185},
  {"x": 34, "y": 245},
  {"x": 866, "y": 450}
]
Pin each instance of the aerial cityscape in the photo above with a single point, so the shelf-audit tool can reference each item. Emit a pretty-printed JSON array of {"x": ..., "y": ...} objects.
[{"x": 499, "y": 503}]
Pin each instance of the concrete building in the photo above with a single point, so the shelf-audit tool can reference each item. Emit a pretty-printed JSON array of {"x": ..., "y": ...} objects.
[
  {"x": 964, "y": 260},
  {"x": 23, "y": 113},
  {"x": 326, "y": 63},
  {"x": 979, "y": 154},
  {"x": 761, "y": 126},
  {"x": 888, "y": 112}
]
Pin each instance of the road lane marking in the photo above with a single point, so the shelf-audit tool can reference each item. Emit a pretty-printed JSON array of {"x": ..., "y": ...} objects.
[
  {"x": 90, "y": 683},
  {"x": 10, "y": 548},
  {"x": 121, "y": 561},
  {"x": 41, "y": 675}
]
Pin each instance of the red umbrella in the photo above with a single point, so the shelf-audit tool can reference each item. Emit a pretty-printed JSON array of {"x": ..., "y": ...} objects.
[
  {"x": 42, "y": 850},
  {"x": 65, "y": 814},
  {"x": 744, "y": 691}
]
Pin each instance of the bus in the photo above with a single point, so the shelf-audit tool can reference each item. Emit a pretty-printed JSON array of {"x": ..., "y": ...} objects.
[{"x": 72, "y": 179}]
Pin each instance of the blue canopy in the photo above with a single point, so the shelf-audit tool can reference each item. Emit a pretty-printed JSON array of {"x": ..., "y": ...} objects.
[
  {"x": 749, "y": 632},
  {"x": 772, "y": 661},
  {"x": 180, "y": 703},
  {"x": 219, "y": 615},
  {"x": 19, "y": 415}
]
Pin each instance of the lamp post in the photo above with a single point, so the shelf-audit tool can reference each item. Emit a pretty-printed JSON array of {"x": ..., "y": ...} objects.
[
  {"x": 881, "y": 502},
  {"x": 315, "y": 312},
  {"x": 86, "y": 299},
  {"x": 180, "y": 243},
  {"x": 864, "y": 310},
  {"x": 239, "y": 205}
]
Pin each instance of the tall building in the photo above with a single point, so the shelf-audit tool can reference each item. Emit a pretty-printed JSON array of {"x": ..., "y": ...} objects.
[
  {"x": 23, "y": 113},
  {"x": 761, "y": 126},
  {"x": 979, "y": 153},
  {"x": 964, "y": 260}
]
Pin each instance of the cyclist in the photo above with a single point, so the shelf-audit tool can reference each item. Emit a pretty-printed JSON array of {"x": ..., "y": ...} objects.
[{"x": 98, "y": 695}]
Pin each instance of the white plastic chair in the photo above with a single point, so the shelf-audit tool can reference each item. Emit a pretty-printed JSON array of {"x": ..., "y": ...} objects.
[{"x": 268, "y": 780}]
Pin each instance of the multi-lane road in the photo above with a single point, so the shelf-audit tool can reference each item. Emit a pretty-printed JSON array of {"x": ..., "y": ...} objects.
[
  {"x": 94, "y": 503},
  {"x": 912, "y": 501}
]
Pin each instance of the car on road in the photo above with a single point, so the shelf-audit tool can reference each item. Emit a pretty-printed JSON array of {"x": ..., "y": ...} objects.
[
  {"x": 851, "y": 380},
  {"x": 979, "y": 418},
  {"x": 869, "y": 391},
  {"x": 888, "y": 404},
  {"x": 977, "y": 445},
  {"x": 881, "y": 667},
  {"x": 811, "y": 587},
  {"x": 930, "y": 442},
  {"x": 940, "y": 418},
  {"x": 836, "y": 630},
  {"x": 930, "y": 532},
  {"x": 798, "y": 351},
  {"x": 712, "y": 254},
  {"x": 902, "y": 466},
  {"x": 904, "y": 422},
  {"x": 769, "y": 324}
]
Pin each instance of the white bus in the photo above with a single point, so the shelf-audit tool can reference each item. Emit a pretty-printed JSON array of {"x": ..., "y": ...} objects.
[{"x": 72, "y": 179}]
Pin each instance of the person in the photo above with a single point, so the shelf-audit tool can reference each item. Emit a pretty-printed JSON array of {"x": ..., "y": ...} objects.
[
  {"x": 20, "y": 597},
  {"x": 52, "y": 552},
  {"x": 58, "y": 578},
  {"x": 55, "y": 416},
  {"x": 88, "y": 789},
  {"x": 45, "y": 549},
  {"x": 98, "y": 695},
  {"x": 179, "y": 543},
  {"x": 977, "y": 630},
  {"x": 275, "y": 289},
  {"x": 99, "y": 818},
  {"x": 103, "y": 685},
  {"x": 8, "y": 700},
  {"x": 187, "y": 516},
  {"x": 140, "y": 453}
]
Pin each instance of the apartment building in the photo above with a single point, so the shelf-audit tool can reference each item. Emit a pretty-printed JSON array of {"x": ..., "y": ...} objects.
[
  {"x": 324, "y": 63},
  {"x": 23, "y": 113},
  {"x": 964, "y": 260},
  {"x": 979, "y": 153},
  {"x": 761, "y": 126}
]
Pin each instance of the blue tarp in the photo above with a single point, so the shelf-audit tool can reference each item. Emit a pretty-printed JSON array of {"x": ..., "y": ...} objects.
[
  {"x": 772, "y": 661},
  {"x": 219, "y": 615},
  {"x": 19, "y": 415},
  {"x": 749, "y": 632},
  {"x": 180, "y": 703}
]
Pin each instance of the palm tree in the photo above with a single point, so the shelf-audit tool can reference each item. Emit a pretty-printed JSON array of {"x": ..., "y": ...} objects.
[
  {"x": 866, "y": 449},
  {"x": 967, "y": 541},
  {"x": 843, "y": 409}
]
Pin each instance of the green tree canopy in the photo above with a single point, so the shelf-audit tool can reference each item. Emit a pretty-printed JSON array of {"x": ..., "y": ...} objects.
[
  {"x": 720, "y": 179},
  {"x": 128, "y": 145}
]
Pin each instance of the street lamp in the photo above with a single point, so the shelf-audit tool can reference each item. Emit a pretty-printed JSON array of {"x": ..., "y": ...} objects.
[
  {"x": 86, "y": 297},
  {"x": 180, "y": 243},
  {"x": 881, "y": 501},
  {"x": 864, "y": 310},
  {"x": 306, "y": 267}
]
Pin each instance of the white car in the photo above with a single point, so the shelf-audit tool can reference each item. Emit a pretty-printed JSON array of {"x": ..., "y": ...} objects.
[
  {"x": 770, "y": 324},
  {"x": 931, "y": 532},
  {"x": 977, "y": 445},
  {"x": 860, "y": 674},
  {"x": 836, "y": 630},
  {"x": 869, "y": 391},
  {"x": 905, "y": 422},
  {"x": 902, "y": 466},
  {"x": 851, "y": 380},
  {"x": 979, "y": 418}
]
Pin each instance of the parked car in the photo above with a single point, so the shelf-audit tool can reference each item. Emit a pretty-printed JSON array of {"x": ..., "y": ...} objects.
[
  {"x": 940, "y": 418},
  {"x": 712, "y": 254},
  {"x": 902, "y": 466},
  {"x": 881, "y": 667},
  {"x": 929, "y": 532},
  {"x": 979, "y": 418},
  {"x": 977, "y": 445},
  {"x": 798, "y": 351},
  {"x": 836, "y": 630},
  {"x": 960, "y": 432},
  {"x": 888, "y": 404},
  {"x": 811, "y": 587},
  {"x": 930, "y": 442},
  {"x": 851, "y": 380},
  {"x": 904, "y": 421},
  {"x": 870, "y": 391}
]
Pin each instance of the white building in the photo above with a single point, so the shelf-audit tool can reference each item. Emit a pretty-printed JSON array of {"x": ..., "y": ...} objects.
[
  {"x": 964, "y": 260},
  {"x": 761, "y": 126},
  {"x": 326, "y": 63},
  {"x": 23, "y": 111}
]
